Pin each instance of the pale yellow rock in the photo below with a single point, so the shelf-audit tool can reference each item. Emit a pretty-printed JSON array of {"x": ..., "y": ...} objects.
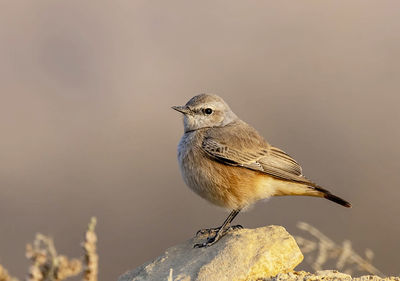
[
  {"x": 325, "y": 275},
  {"x": 245, "y": 254}
]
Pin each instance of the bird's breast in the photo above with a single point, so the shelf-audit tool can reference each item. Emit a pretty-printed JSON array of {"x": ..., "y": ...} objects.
[
  {"x": 194, "y": 166},
  {"x": 223, "y": 185}
]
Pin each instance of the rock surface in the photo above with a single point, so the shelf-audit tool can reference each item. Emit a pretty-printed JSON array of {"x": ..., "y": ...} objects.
[
  {"x": 244, "y": 254},
  {"x": 326, "y": 275}
]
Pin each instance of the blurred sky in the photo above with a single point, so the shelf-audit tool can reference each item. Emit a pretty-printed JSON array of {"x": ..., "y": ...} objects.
[{"x": 86, "y": 126}]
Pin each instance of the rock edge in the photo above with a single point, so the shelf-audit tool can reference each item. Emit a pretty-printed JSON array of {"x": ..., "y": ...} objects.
[{"x": 243, "y": 254}]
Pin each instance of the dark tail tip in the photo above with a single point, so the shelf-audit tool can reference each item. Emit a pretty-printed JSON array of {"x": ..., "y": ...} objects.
[{"x": 336, "y": 199}]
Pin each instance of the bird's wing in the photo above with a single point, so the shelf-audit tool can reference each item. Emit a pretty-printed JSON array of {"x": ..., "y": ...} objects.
[{"x": 240, "y": 145}]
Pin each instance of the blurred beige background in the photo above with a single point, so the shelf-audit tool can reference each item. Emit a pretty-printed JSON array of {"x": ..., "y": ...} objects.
[{"x": 86, "y": 125}]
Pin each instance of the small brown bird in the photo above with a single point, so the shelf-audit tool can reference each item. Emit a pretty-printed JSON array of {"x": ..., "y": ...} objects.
[{"x": 227, "y": 162}]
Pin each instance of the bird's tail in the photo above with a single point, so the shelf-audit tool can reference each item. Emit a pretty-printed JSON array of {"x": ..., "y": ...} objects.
[
  {"x": 328, "y": 195},
  {"x": 336, "y": 199},
  {"x": 306, "y": 188}
]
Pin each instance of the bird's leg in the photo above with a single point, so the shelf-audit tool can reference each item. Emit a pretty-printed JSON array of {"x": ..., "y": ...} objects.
[
  {"x": 219, "y": 231},
  {"x": 225, "y": 225}
]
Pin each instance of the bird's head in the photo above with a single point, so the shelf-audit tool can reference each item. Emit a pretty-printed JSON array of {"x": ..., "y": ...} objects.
[{"x": 205, "y": 111}]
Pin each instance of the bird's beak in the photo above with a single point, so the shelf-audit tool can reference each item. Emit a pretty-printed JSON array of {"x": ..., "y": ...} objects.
[{"x": 182, "y": 109}]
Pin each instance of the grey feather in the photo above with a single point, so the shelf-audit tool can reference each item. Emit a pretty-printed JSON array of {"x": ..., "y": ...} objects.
[{"x": 238, "y": 144}]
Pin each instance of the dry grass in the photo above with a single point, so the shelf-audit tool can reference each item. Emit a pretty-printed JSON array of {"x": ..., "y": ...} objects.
[
  {"x": 321, "y": 251},
  {"x": 48, "y": 265},
  {"x": 91, "y": 257}
]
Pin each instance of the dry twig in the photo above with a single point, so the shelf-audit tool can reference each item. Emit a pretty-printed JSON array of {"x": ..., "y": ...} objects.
[
  {"x": 91, "y": 257},
  {"x": 47, "y": 264},
  {"x": 327, "y": 249}
]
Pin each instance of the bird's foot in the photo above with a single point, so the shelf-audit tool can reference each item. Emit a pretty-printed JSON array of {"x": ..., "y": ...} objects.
[
  {"x": 214, "y": 230},
  {"x": 208, "y": 231},
  {"x": 211, "y": 240}
]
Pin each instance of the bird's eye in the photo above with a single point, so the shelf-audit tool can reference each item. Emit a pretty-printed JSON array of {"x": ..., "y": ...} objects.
[{"x": 208, "y": 111}]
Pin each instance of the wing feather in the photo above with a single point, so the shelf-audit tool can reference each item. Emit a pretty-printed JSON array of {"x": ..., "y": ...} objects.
[{"x": 241, "y": 145}]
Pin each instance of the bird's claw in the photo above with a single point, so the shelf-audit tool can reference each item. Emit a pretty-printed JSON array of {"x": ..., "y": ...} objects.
[{"x": 234, "y": 227}]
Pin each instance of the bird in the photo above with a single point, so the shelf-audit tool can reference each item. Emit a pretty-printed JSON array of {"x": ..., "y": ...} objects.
[{"x": 227, "y": 162}]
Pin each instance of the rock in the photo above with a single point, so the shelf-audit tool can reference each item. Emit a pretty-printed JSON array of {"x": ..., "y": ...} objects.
[
  {"x": 302, "y": 275},
  {"x": 243, "y": 254},
  {"x": 326, "y": 275}
]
